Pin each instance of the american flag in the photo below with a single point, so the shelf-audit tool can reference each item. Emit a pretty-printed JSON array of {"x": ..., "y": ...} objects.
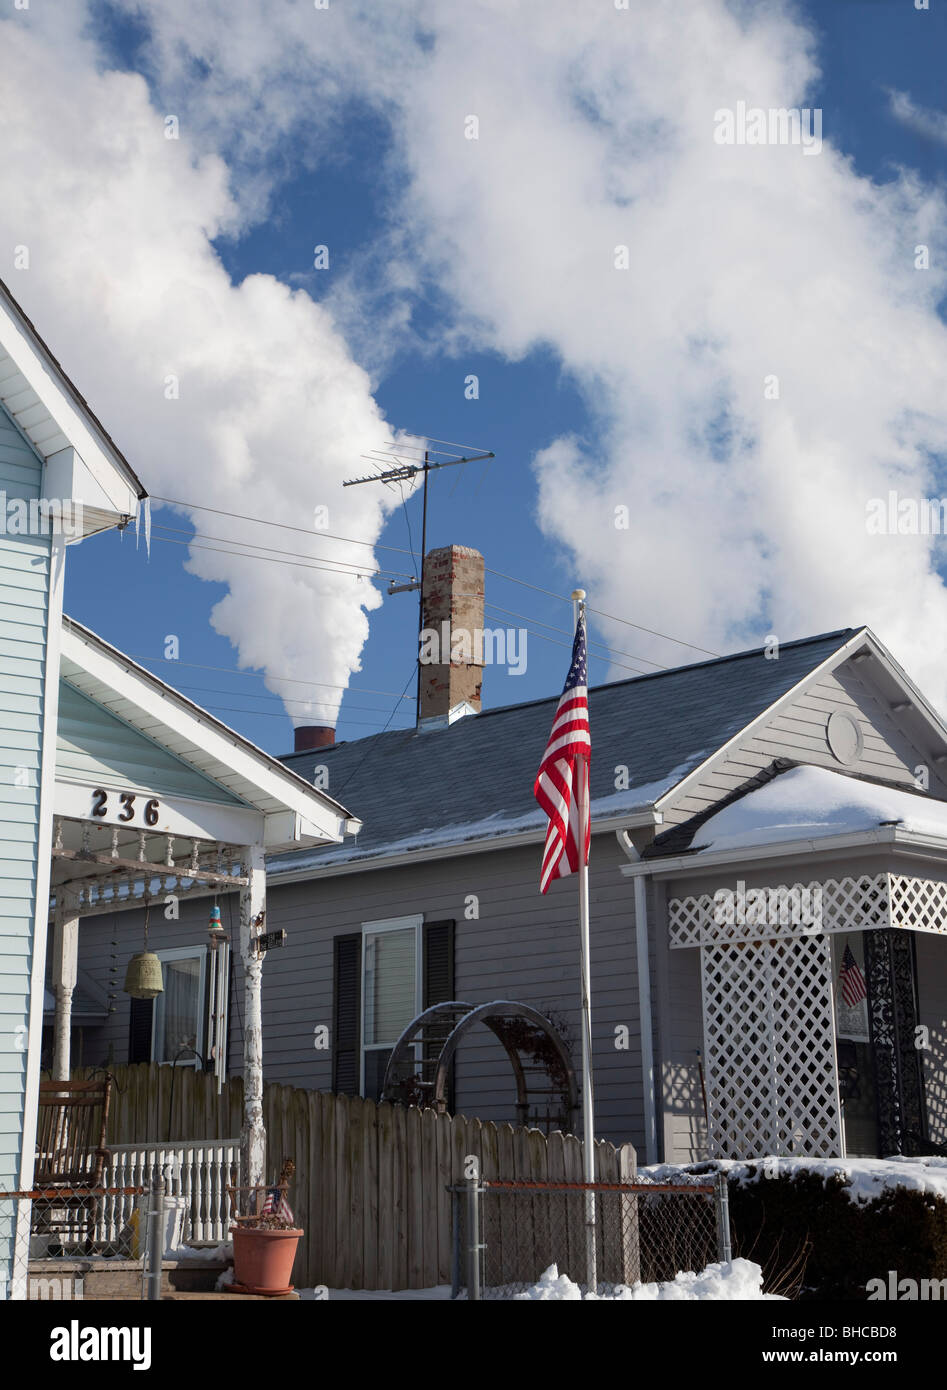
[
  {"x": 275, "y": 1204},
  {"x": 851, "y": 981},
  {"x": 564, "y": 772}
]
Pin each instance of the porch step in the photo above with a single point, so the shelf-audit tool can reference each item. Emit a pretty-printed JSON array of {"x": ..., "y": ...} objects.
[
  {"x": 222, "y": 1296},
  {"x": 122, "y": 1279}
]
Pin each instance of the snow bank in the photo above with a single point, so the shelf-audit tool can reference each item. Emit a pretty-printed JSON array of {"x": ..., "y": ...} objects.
[
  {"x": 812, "y": 802},
  {"x": 212, "y": 1254},
  {"x": 741, "y": 1279},
  {"x": 865, "y": 1178}
]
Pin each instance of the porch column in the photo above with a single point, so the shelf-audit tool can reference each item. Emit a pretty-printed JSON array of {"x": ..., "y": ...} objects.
[
  {"x": 252, "y": 914},
  {"x": 65, "y": 958}
]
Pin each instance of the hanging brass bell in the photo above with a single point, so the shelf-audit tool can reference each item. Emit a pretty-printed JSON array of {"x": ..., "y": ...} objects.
[{"x": 143, "y": 976}]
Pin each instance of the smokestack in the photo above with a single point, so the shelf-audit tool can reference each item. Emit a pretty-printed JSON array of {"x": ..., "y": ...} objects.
[
  {"x": 313, "y": 736},
  {"x": 452, "y": 640}
]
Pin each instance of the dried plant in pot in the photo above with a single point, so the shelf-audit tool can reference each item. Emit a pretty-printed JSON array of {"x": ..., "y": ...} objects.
[{"x": 265, "y": 1239}]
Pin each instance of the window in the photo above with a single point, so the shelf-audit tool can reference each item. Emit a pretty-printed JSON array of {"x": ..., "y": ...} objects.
[
  {"x": 391, "y": 992},
  {"x": 383, "y": 977},
  {"x": 187, "y": 1022},
  {"x": 179, "y": 1010}
]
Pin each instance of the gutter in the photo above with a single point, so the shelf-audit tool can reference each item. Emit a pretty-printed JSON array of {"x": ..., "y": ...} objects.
[
  {"x": 826, "y": 846},
  {"x": 645, "y": 1012},
  {"x": 423, "y": 854}
]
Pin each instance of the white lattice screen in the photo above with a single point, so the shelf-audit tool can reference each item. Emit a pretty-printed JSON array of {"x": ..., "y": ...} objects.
[
  {"x": 766, "y": 975},
  {"x": 769, "y": 1042},
  {"x": 832, "y": 905},
  {"x": 918, "y": 904}
]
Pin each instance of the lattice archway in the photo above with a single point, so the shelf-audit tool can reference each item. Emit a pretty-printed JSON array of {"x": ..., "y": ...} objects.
[{"x": 419, "y": 1068}]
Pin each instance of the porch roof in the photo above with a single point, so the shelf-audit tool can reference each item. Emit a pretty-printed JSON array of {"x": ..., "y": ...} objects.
[
  {"x": 268, "y": 802},
  {"x": 807, "y": 803}
]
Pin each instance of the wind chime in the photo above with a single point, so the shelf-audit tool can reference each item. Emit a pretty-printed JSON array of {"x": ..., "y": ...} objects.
[{"x": 143, "y": 976}]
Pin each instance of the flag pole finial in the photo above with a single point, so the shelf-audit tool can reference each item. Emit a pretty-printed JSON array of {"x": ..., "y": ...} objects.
[{"x": 578, "y": 595}]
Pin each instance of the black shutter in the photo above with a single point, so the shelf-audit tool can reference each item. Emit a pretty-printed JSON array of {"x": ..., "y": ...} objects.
[
  {"x": 438, "y": 962},
  {"x": 438, "y": 977},
  {"x": 141, "y": 1014},
  {"x": 346, "y": 1019}
]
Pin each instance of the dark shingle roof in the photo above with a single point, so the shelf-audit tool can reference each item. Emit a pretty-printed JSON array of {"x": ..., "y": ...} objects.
[{"x": 475, "y": 778}]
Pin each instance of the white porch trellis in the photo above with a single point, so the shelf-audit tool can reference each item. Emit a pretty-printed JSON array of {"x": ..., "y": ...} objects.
[{"x": 768, "y": 1015}]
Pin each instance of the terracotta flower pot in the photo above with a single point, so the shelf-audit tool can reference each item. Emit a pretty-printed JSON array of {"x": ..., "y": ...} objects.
[{"x": 263, "y": 1259}]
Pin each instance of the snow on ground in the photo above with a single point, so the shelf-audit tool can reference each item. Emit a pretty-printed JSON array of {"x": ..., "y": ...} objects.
[
  {"x": 741, "y": 1279},
  {"x": 811, "y": 802},
  {"x": 738, "y": 1280},
  {"x": 866, "y": 1178}
]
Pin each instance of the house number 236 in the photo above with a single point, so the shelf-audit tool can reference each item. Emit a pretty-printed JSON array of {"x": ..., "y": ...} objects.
[{"x": 100, "y": 806}]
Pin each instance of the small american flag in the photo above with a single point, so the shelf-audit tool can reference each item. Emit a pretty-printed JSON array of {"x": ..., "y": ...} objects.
[
  {"x": 275, "y": 1204},
  {"x": 563, "y": 775},
  {"x": 851, "y": 981}
]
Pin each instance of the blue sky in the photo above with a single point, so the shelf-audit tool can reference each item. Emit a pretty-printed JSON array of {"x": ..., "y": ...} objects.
[{"x": 347, "y": 190}]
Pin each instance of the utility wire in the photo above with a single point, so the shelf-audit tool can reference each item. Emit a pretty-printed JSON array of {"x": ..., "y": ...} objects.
[
  {"x": 495, "y": 607},
  {"x": 510, "y": 578},
  {"x": 274, "y": 560},
  {"x": 257, "y": 675},
  {"x": 274, "y": 550},
  {"x": 268, "y": 695},
  {"x": 271, "y": 714},
  {"x": 410, "y": 681}
]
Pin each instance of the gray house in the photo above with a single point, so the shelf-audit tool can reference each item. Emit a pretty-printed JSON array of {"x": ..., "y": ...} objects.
[{"x": 768, "y": 908}]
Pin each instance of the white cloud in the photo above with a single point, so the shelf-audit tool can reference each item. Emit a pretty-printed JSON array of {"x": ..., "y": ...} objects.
[
  {"x": 921, "y": 119},
  {"x": 123, "y": 281},
  {"x": 595, "y": 131}
]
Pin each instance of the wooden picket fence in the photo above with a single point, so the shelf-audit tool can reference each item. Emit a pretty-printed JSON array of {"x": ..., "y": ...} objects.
[{"x": 371, "y": 1182}]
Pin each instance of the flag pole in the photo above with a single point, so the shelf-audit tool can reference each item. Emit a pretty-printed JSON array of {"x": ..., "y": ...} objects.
[{"x": 588, "y": 1116}]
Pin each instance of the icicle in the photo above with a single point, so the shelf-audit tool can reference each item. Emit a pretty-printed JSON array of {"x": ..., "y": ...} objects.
[{"x": 144, "y": 509}]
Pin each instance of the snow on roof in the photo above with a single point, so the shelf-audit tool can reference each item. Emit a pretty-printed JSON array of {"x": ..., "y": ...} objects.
[
  {"x": 495, "y": 826},
  {"x": 811, "y": 802},
  {"x": 474, "y": 779}
]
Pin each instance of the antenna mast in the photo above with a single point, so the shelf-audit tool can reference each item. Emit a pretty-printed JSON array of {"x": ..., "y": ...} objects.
[{"x": 407, "y": 471}]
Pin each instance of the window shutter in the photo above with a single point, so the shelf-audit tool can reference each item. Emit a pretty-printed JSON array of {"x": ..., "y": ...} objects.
[
  {"x": 347, "y": 1006},
  {"x": 139, "y": 1030},
  {"x": 438, "y": 980},
  {"x": 438, "y": 962}
]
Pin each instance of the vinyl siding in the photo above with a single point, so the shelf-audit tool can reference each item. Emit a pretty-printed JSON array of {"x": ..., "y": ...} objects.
[
  {"x": 799, "y": 732},
  {"x": 94, "y": 745},
  {"x": 24, "y": 606},
  {"x": 523, "y": 946}
]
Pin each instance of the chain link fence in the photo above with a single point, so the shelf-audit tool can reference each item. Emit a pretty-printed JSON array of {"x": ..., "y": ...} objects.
[
  {"x": 606, "y": 1235},
  {"x": 54, "y": 1243}
]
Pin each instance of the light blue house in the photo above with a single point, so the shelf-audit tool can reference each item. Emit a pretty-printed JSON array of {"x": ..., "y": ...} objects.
[
  {"x": 61, "y": 479},
  {"x": 114, "y": 789}
]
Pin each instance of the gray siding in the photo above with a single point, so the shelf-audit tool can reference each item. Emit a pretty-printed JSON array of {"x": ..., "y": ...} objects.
[
  {"x": 798, "y": 732},
  {"x": 523, "y": 947},
  {"x": 24, "y": 607}
]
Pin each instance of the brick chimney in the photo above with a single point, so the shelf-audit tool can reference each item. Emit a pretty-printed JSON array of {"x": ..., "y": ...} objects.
[
  {"x": 452, "y": 607},
  {"x": 308, "y": 736}
]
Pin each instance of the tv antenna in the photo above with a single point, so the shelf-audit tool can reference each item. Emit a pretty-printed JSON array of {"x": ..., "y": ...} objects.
[{"x": 446, "y": 455}]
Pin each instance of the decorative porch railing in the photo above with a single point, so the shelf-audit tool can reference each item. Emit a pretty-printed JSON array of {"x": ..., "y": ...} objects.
[{"x": 199, "y": 1171}]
